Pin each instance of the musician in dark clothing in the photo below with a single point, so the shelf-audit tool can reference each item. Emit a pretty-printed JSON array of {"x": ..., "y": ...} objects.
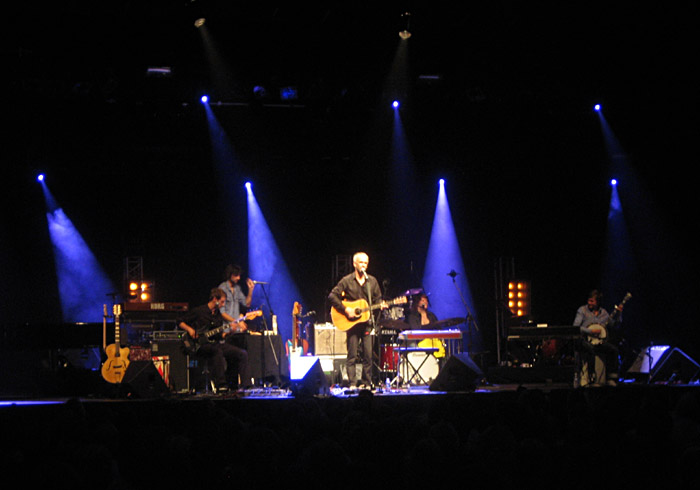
[
  {"x": 418, "y": 317},
  {"x": 226, "y": 361},
  {"x": 357, "y": 286}
]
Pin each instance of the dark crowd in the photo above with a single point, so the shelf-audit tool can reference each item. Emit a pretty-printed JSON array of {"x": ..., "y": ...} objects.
[{"x": 529, "y": 438}]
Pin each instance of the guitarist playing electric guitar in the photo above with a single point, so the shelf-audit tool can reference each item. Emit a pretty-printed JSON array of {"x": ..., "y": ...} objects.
[
  {"x": 226, "y": 361},
  {"x": 358, "y": 286}
]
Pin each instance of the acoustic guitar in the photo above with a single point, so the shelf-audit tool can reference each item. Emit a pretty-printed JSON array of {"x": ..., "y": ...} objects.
[
  {"x": 117, "y": 362},
  {"x": 362, "y": 312}
]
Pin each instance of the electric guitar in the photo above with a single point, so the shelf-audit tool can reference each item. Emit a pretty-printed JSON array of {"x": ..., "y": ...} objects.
[
  {"x": 191, "y": 345},
  {"x": 362, "y": 312},
  {"x": 296, "y": 346},
  {"x": 117, "y": 362},
  {"x": 599, "y": 332}
]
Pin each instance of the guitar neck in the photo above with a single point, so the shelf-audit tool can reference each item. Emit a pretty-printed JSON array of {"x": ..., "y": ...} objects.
[{"x": 379, "y": 305}]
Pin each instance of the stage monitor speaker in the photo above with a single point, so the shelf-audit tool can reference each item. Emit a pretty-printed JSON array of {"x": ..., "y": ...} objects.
[
  {"x": 142, "y": 380},
  {"x": 459, "y": 373},
  {"x": 675, "y": 367},
  {"x": 307, "y": 376},
  {"x": 648, "y": 359}
]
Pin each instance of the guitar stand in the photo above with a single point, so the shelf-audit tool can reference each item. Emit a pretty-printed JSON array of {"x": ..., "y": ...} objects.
[{"x": 404, "y": 351}]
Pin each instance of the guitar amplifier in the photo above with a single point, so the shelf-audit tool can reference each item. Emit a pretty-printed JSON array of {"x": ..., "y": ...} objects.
[{"x": 328, "y": 340}]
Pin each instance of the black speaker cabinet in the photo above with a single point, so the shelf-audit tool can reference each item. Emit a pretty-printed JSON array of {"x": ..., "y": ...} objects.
[
  {"x": 674, "y": 367},
  {"x": 459, "y": 373},
  {"x": 142, "y": 380}
]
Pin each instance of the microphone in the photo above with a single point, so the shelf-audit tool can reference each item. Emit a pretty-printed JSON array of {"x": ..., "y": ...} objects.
[
  {"x": 452, "y": 274},
  {"x": 260, "y": 282}
]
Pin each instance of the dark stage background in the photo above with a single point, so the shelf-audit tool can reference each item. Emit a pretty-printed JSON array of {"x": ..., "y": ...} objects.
[{"x": 509, "y": 126}]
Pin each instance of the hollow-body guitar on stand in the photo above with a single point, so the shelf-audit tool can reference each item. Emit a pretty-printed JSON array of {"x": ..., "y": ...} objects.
[
  {"x": 362, "y": 312},
  {"x": 117, "y": 362}
]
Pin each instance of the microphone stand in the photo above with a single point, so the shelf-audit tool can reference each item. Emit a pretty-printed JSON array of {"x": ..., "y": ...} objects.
[
  {"x": 470, "y": 318},
  {"x": 373, "y": 328},
  {"x": 272, "y": 345}
]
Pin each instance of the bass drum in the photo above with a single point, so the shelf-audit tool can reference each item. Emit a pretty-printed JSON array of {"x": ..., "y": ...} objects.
[
  {"x": 426, "y": 373},
  {"x": 389, "y": 360}
]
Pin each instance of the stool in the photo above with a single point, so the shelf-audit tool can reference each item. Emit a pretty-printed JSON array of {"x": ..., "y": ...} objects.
[{"x": 590, "y": 370}]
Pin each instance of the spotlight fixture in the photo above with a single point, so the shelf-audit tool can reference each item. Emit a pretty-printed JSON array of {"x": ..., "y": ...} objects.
[
  {"x": 199, "y": 22},
  {"x": 441, "y": 182},
  {"x": 248, "y": 185},
  {"x": 40, "y": 177},
  {"x": 405, "y": 31},
  {"x": 519, "y": 294},
  {"x": 140, "y": 291},
  {"x": 395, "y": 104},
  {"x": 597, "y": 107},
  {"x": 613, "y": 182},
  {"x": 204, "y": 99},
  {"x": 289, "y": 93}
]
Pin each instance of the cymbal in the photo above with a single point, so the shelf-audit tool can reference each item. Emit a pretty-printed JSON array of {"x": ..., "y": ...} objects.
[
  {"x": 413, "y": 292},
  {"x": 395, "y": 324},
  {"x": 449, "y": 322}
]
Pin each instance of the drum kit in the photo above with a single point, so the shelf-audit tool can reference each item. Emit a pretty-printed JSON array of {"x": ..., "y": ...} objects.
[{"x": 415, "y": 361}]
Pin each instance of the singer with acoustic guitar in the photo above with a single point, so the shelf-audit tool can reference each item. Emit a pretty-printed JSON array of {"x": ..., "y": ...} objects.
[{"x": 352, "y": 288}]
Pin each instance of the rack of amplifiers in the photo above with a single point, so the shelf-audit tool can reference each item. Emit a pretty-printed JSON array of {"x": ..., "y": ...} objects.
[{"x": 153, "y": 337}]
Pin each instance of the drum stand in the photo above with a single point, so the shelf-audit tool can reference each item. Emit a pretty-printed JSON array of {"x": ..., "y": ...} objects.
[{"x": 405, "y": 351}]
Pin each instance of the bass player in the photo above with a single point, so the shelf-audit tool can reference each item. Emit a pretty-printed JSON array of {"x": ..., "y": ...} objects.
[{"x": 226, "y": 361}]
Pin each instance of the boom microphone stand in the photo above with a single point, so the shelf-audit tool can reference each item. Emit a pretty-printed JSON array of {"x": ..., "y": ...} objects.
[{"x": 471, "y": 321}]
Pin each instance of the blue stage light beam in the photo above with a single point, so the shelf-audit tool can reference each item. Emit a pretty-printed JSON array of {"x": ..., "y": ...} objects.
[
  {"x": 448, "y": 294},
  {"x": 267, "y": 264},
  {"x": 226, "y": 164},
  {"x": 619, "y": 269},
  {"x": 83, "y": 285}
]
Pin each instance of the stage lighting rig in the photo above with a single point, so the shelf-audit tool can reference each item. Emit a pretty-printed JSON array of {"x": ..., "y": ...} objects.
[{"x": 519, "y": 298}]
